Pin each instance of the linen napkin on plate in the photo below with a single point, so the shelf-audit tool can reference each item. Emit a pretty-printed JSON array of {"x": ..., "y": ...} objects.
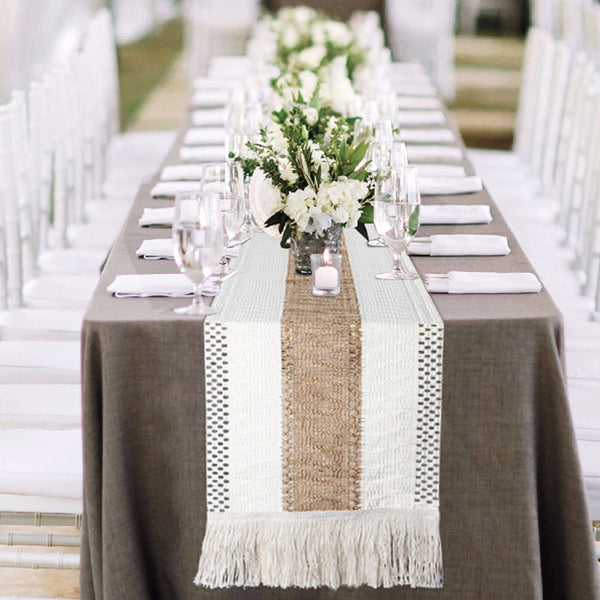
[
  {"x": 181, "y": 173},
  {"x": 438, "y": 186},
  {"x": 209, "y": 116},
  {"x": 162, "y": 248},
  {"x": 202, "y": 153},
  {"x": 169, "y": 189},
  {"x": 420, "y": 117},
  {"x": 463, "y": 282},
  {"x": 427, "y": 136},
  {"x": 172, "y": 285},
  {"x": 426, "y": 153},
  {"x": 454, "y": 214},
  {"x": 418, "y": 103},
  {"x": 460, "y": 244},
  {"x": 157, "y": 217},
  {"x": 210, "y": 97},
  {"x": 204, "y": 136}
]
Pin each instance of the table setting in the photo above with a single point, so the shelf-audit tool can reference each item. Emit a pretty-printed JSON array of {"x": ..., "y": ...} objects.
[{"x": 365, "y": 397}]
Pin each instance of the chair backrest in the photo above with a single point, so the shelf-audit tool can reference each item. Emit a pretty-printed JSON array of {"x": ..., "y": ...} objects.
[
  {"x": 536, "y": 73},
  {"x": 215, "y": 27},
  {"x": 545, "y": 159},
  {"x": 423, "y": 31}
]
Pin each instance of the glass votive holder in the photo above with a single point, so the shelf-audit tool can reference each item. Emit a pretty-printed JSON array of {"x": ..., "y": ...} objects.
[{"x": 326, "y": 274}]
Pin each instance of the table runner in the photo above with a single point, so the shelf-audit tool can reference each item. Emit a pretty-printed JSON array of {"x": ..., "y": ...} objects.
[{"x": 323, "y": 428}]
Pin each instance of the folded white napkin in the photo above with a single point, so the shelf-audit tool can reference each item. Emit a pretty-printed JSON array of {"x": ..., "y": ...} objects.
[
  {"x": 157, "y": 217},
  {"x": 181, "y": 173},
  {"x": 431, "y": 170},
  {"x": 407, "y": 89},
  {"x": 202, "y": 153},
  {"x": 454, "y": 214},
  {"x": 162, "y": 248},
  {"x": 460, "y": 244},
  {"x": 209, "y": 116},
  {"x": 462, "y": 282},
  {"x": 418, "y": 103},
  {"x": 420, "y": 117},
  {"x": 212, "y": 83},
  {"x": 425, "y": 153},
  {"x": 438, "y": 186},
  {"x": 230, "y": 61},
  {"x": 169, "y": 189},
  {"x": 210, "y": 97},
  {"x": 204, "y": 136},
  {"x": 427, "y": 136},
  {"x": 400, "y": 67},
  {"x": 156, "y": 284}
]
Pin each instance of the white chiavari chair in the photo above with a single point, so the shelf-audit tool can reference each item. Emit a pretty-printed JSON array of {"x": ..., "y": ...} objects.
[
  {"x": 538, "y": 61},
  {"x": 216, "y": 28},
  {"x": 423, "y": 31},
  {"x": 572, "y": 22}
]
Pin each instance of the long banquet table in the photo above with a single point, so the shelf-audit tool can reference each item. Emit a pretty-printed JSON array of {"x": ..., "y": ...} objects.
[{"x": 512, "y": 510}]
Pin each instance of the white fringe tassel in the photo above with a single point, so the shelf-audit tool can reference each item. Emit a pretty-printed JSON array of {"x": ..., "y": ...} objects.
[{"x": 378, "y": 548}]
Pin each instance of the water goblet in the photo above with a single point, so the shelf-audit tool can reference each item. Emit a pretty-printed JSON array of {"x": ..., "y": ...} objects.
[
  {"x": 396, "y": 216},
  {"x": 385, "y": 156},
  {"x": 225, "y": 181},
  {"x": 197, "y": 244}
]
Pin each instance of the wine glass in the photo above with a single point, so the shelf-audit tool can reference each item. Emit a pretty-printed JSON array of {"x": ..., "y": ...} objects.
[
  {"x": 385, "y": 155},
  {"x": 225, "y": 182},
  {"x": 197, "y": 244},
  {"x": 396, "y": 215}
]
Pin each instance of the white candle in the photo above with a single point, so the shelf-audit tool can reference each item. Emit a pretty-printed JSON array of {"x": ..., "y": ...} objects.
[{"x": 326, "y": 278}]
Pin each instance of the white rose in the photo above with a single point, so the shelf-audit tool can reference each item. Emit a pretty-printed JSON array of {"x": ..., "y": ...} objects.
[
  {"x": 339, "y": 33},
  {"x": 290, "y": 36},
  {"x": 303, "y": 14},
  {"x": 311, "y": 114},
  {"x": 265, "y": 200},
  {"x": 311, "y": 57}
]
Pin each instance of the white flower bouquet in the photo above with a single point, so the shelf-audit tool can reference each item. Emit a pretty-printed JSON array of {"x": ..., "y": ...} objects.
[{"x": 311, "y": 171}]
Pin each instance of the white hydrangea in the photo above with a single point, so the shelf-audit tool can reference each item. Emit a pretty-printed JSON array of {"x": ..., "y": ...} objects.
[
  {"x": 342, "y": 200},
  {"x": 299, "y": 206}
]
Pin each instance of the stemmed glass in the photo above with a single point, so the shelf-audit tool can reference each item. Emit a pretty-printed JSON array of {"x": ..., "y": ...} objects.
[
  {"x": 225, "y": 182},
  {"x": 197, "y": 243},
  {"x": 385, "y": 155},
  {"x": 243, "y": 125},
  {"x": 396, "y": 215}
]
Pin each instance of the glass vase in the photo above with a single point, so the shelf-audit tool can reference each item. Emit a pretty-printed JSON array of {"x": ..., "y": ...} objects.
[{"x": 304, "y": 244}]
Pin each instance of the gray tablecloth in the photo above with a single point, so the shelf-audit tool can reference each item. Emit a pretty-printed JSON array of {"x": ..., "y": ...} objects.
[{"x": 514, "y": 523}]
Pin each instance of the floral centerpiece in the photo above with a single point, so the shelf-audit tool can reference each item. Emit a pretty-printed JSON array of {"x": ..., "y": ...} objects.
[
  {"x": 315, "y": 55},
  {"x": 309, "y": 178}
]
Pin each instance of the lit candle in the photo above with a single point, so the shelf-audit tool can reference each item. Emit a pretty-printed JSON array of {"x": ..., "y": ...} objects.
[{"x": 327, "y": 276}]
